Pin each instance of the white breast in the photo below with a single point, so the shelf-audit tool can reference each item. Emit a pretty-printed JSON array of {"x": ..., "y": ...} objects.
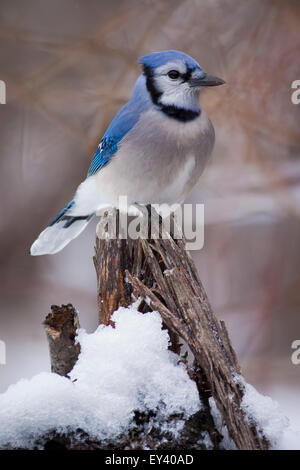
[{"x": 175, "y": 191}]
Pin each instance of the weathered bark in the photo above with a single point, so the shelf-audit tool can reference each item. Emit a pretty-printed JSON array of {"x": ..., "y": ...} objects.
[
  {"x": 60, "y": 326},
  {"x": 161, "y": 273},
  {"x": 112, "y": 258}
]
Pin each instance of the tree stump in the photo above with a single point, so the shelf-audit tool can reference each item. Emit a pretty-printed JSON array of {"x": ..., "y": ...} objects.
[{"x": 160, "y": 272}]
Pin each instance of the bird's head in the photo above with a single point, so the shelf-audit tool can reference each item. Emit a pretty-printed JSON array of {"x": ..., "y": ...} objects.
[{"x": 174, "y": 78}]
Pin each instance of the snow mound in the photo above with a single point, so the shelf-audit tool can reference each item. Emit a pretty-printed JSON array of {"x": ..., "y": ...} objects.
[
  {"x": 119, "y": 370},
  {"x": 266, "y": 412}
]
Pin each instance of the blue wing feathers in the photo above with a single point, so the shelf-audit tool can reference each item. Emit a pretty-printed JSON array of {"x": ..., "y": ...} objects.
[
  {"x": 67, "y": 225},
  {"x": 106, "y": 149},
  {"x": 123, "y": 122},
  {"x": 118, "y": 128}
]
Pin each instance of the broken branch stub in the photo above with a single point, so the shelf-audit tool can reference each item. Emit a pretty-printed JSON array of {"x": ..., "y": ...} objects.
[{"x": 61, "y": 326}]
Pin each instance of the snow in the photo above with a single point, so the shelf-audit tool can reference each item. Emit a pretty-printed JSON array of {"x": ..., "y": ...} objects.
[
  {"x": 119, "y": 370},
  {"x": 266, "y": 413},
  {"x": 282, "y": 432},
  {"x": 288, "y": 398}
]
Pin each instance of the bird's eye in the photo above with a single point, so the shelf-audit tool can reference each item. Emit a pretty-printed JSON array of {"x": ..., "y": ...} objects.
[{"x": 173, "y": 74}]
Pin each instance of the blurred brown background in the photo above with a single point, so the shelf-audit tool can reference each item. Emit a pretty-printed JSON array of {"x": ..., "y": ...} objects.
[{"x": 68, "y": 67}]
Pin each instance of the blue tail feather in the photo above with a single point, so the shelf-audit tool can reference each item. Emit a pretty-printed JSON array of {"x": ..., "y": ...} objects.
[
  {"x": 62, "y": 213},
  {"x": 61, "y": 230}
]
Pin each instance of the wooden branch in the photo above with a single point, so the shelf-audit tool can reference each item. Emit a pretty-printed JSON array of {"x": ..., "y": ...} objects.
[
  {"x": 60, "y": 326},
  {"x": 162, "y": 273}
]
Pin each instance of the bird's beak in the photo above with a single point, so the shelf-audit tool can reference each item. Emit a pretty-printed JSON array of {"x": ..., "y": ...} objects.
[{"x": 207, "y": 80}]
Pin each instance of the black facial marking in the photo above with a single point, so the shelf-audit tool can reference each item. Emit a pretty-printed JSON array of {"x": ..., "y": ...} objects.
[
  {"x": 155, "y": 94},
  {"x": 187, "y": 75},
  {"x": 180, "y": 114}
]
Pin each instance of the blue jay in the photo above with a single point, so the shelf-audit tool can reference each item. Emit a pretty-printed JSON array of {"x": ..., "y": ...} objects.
[{"x": 153, "y": 152}]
